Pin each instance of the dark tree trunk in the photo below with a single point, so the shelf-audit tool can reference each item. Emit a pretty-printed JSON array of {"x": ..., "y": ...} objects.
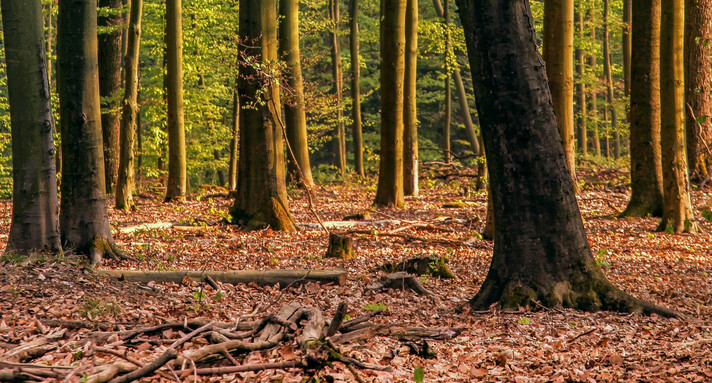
[
  {"x": 541, "y": 252},
  {"x": 83, "y": 219},
  {"x": 448, "y": 91},
  {"x": 390, "y": 176},
  {"x": 646, "y": 178},
  {"x": 110, "y": 57},
  {"x": 130, "y": 110},
  {"x": 261, "y": 190},
  {"x": 698, "y": 86},
  {"x": 35, "y": 223},
  {"x": 410, "y": 115},
  {"x": 339, "y": 140},
  {"x": 356, "y": 91}
]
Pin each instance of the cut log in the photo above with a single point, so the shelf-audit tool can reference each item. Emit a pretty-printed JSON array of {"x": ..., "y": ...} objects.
[
  {"x": 260, "y": 277},
  {"x": 426, "y": 265},
  {"x": 400, "y": 281},
  {"x": 339, "y": 247}
]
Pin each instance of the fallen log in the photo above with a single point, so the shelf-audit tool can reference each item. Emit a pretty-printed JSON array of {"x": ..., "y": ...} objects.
[
  {"x": 260, "y": 277},
  {"x": 425, "y": 265},
  {"x": 400, "y": 281}
]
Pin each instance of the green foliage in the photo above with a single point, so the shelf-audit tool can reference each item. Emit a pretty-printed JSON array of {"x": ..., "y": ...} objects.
[
  {"x": 418, "y": 375},
  {"x": 706, "y": 214},
  {"x": 523, "y": 321},
  {"x": 375, "y": 307}
]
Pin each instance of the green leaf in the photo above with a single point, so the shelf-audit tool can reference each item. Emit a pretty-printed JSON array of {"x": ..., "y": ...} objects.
[
  {"x": 418, "y": 375},
  {"x": 524, "y": 321},
  {"x": 375, "y": 307},
  {"x": 669, "y": 229}
]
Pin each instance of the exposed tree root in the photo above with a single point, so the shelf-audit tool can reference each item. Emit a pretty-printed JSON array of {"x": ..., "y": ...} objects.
[{"x": 105, "y": 248}]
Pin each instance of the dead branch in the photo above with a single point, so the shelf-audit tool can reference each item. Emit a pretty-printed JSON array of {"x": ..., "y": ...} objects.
[
  {"x": 337, "y": 320},
  {"x": 260, "y": 277}
]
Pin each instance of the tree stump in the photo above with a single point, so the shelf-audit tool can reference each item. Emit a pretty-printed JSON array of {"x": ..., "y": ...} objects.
[{"x": 339, "y": 247}]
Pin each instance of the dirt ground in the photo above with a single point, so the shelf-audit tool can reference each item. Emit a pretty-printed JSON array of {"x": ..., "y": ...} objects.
[{"x": 548, "y": 345}]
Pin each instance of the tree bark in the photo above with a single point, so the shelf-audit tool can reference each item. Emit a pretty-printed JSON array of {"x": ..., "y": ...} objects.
[
  {"x": 582, "y": 120},
  {"x": 261, "y": 190},
  {"x": 390, "y": 176},
  {"x": 295, "y": 120},
  {"x": 130, "y": 111},
  {"x": 609, "y": 87},
  {"x": 410, "y": 110},
  {"x": 35, "y": 222},
  {"x": 176, "y": 185},
  {"x": 234, "y": 138},
  {"x": 677, "y": 205},
  {"x": 84, "y": 223},
  {"x": 339, "y": 139},
  {"x": 646, "y": 179},
  {"x": 558, "y": 51},
  {"x": 448, "y": 91},
  {"x": 110, "y": 57},
  {"x": 538, "y": 225},
  {"x": 593, "y": 91},
  {"x": 356, "y": 91},
  {"x": 627, "y": 45},
  {"x": 698, "y": 86}
]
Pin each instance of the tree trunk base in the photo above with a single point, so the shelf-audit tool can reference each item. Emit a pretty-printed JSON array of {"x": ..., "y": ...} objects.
[
  {"x": 339, "y": 247},
  {"x": 103, "y": 248},
  {"x": 687, "y": 227},
  {"x": 588, "y": 293},
  {"x": 640, "y": 208}
]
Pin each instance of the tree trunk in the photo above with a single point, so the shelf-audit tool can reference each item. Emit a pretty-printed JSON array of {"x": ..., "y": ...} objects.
[
  {"x": 175, "y": 188},
  {"x": 677, "y": 206},
  {"x": 448, "y": 92},
  {"x": 538, "y": 226},
  {"x": 462, "y": 98},
  {"x": 698, "y": 86},
  {"x": 593, "y": 91},
  {"x": 646, "y": 179},
  {"x": 338, "y": 78},
  {"x": 410, "y": 115},
  {"x": 125, "y": 184},
  {"x": 234, "y": 138},
  {"x": 295, "y": 120},
  {"x": 110, "y": 56},
  {"x": 83, "y": 219},
  {"x": 582, "y": 121},
  {"x": 35, "y": 224},
  {"x": 390, "y": 176},
  {"x": 609, "y": 88},
  {"x": 558, "y": 54},
  {"x": 627, "y": 45},
  {"x": 356, "y": 91},
  {"x": 261, "y": 190}
]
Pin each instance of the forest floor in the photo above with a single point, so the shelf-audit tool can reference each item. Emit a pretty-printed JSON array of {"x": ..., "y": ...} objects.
[{"x": 548, "y": 345}]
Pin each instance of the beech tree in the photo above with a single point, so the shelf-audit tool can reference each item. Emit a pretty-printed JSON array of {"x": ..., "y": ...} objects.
[
  {"x": 261, "y": 190},
  {"x": 677, "y": 205},
  {"x": 582, "y": 119},
  {"x": 541, "y": 253},
  {"x": 175, "y": 187},
  {"x": 35, "y": 223},
  {"x": 339, "y": 139},
  {"x": 646, "y": 179},
  {"x": 410, "y": 110},
  {"x": 295, "y": 120},
  {"x": 84, "y": 222},
  {"x": 357, "y": 134},
  {"x": 390, "y": 176},
  {"x": 110, "y": 58},
  {"x": 608, "y": 81}
]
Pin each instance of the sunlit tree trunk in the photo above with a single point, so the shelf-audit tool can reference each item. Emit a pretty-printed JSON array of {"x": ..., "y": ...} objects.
[
  {"x": 609, "y": 87},
  {"x": 356, "y": 90},
  {"x": 677, "y": 205},
  {"x": 261, "y": 189},
  {"x": 339, "y": 139},
  {"x": 646, "y": 179},
  {"x": 110, "y": 57},
  {"x": 558, "y": 54},
  {"x": 295, "y": 121},
  {"x": 448, "y": 92},
  {"x": 130, "y": 111},
  {"x": 581, "y": 121},
  {"x": 175, "y": 187},
  {"x": 84, "y": 222},
  {"x": 698, "y": 86},
  {"x": 234, "y": 138},
  {"x": 593, "y": 91},
  {"x": 410, "y": 116},
  {"x": 35, "y": 222},
  {"x": 390, "y": 176},
  {"x": 627, "y": 45}
]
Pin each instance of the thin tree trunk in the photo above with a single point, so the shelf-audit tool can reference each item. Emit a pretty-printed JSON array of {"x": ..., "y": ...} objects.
[
  {"x": 295, "y": 120},
  {"x": 338, "y": 78},
  {"x": 646, "y": 179},
  {"x": 593, "y": 91},
  {"x": 558, "y": 54},
  {"x": 176, "y": 185},
  {"x": 410, "y": 115},
  {"x": 110, "y": 58},
  {"x": 462, "y": 98},
  {"x": 448, "y": 92},
  {"x": 627, "y": 45},
  {"x": 698, "y": 86},
  {"x": 677, "y": 206},
  {"x": 125, "y": 184},
  {"x": 390, "y": 176},
  {"x": 35, "y": 223},
  {"x": 609, "y": 87},
  {"x": 261, "y": 189},
  {"x": 356, "y": 91},
  {"x": 582, "y": 121},
  {"x": 234, "y": 138},
  {"x": 84, "y": 222}
]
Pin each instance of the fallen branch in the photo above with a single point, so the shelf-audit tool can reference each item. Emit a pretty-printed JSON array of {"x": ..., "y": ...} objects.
[{"x": 260, "y": 277}]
